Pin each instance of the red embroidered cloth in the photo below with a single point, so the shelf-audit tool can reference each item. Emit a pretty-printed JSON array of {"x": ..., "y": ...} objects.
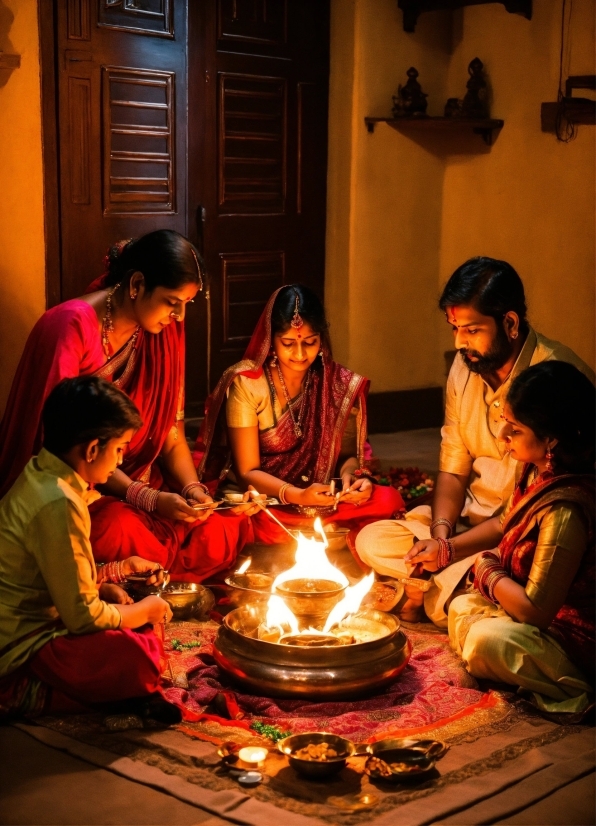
[{"x": 433, "y": 689}]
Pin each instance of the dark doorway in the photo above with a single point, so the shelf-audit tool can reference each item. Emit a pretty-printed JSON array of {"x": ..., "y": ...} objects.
[
  {"x": 121, "y": 112},
  {"x": 204, "y": 116},
  {"x": 257, "y": 168}
]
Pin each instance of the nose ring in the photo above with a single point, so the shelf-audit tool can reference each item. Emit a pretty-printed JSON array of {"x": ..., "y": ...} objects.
[{"x": 175, "y": 316}]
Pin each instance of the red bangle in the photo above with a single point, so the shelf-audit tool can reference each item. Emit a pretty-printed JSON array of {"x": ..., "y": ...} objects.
[
  {"x": 488, "y": 572},
  {"x": 446, "y": 552},
  {"x": 141, "y": 496},
  {"x": 187, "y": 489}
]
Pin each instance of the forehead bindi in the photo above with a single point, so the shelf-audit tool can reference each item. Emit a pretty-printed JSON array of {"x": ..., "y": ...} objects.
[
  {"x": 305, "y": 332},
  {"x": 466, "y": 317}
]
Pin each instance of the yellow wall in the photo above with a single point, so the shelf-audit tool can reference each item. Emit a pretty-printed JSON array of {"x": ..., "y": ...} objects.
[
  {"x": 531, "y": 200},
  {"x": 22, "y": 265},
  {"x": 403, "y": 213}
]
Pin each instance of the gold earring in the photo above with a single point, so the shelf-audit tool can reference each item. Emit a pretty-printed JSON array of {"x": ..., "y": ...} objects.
[
  {"x": 514, "y": 336},
  {"x": 549, "y": 460}
]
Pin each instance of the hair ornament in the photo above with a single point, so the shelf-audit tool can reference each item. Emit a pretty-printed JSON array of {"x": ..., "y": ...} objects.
[
  {"x": 296, "y": 321},
  {"x": 115, "y": 251},
  {"x": 194, "y": 255}
]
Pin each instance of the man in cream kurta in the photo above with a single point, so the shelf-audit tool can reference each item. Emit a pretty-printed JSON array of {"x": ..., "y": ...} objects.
[{"x": 470, "y": 450}]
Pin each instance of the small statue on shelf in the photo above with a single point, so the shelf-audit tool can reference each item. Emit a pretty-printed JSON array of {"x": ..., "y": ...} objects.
[
  {"x": 410, "y": 100},
  {"x": 475, "y": 102},
  {"x": 453, "y": 108}
]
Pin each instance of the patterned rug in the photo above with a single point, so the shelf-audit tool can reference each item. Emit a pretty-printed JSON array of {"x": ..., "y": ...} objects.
[
  {"x": 501, "y": 752},
  {"x": 433, "y": 692}
]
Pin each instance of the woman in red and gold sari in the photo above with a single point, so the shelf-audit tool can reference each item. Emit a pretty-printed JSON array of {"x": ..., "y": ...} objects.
[
  {"x": 290, "y": 419},
  {"x": 529, "y": 620},
  {"x": 128, "y": 329}
]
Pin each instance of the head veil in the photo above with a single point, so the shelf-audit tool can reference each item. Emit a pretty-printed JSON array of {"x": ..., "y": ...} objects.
[{"x": 340, "y": 389}]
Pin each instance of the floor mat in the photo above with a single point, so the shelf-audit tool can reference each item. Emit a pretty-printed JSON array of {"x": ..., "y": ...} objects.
[{"x": 497, "y": 744}]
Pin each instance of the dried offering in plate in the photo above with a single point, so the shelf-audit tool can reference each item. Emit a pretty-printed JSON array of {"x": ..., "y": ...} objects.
[
  {"x": 316, "y": 751},
  {"x": 383, "y": 596}
]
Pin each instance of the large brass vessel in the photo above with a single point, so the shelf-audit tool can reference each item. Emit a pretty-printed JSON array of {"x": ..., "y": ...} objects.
[{"x": 327, "y": 672}]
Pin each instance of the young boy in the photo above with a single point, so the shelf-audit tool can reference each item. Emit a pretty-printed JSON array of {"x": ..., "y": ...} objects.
[{"x": 62, "y": 647}]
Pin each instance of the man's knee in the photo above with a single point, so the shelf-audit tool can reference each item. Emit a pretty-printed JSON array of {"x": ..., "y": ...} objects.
[{"x": 376, "y": 536}]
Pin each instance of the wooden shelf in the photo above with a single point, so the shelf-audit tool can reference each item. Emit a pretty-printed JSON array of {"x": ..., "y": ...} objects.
[
  {"x": 484, "y": 127},
  {"x": 413, "y": 8},
  {"x": 10, "y": 61}
]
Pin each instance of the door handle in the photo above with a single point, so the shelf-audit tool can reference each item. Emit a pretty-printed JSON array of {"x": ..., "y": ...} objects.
[
  {"x": 76, "y": 56},
  {"x": 201, "y": 218}
]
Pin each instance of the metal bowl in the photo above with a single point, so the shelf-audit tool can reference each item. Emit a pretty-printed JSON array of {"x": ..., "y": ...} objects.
[
  {"x": 269, "y": 669},
  {"x": 316, "y": 768},
  {"x": 187, "y": 599},
  {"x": 403, "y": 757},
  {"x": 383, "y": 596},
  {"x": 336, "y": 539},
  {"x": 310, "y": 599},
  {"x": 252, "y": 587}
]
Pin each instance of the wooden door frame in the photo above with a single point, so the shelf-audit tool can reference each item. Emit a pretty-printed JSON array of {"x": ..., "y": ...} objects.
[{"x": 49, "y": 142}]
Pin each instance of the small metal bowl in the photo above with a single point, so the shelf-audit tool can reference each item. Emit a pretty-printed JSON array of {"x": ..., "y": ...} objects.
[
  {"x": 252, "y": 587},
  {"x": 403, "y": 758},
  {"x": 187, "y": 599},
  {"x": 310, "y": 598},
  {"x": 336, "y": 539},
  {"x": 383, "y": 596},
  {"x": 316, "y": 768}
]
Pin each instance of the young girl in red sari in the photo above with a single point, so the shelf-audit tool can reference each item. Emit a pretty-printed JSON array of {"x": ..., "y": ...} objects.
[
  {"x": 530, "y": 619},
  {"x": 128, "y": 329},
  {"x": 292, "y": 419}
]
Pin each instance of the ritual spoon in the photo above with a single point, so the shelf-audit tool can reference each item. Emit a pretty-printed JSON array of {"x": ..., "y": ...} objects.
[{"x": 254, "y": 493}]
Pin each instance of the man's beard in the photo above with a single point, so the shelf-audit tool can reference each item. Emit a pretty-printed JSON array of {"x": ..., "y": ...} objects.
[{"x": 494, "y": 359}]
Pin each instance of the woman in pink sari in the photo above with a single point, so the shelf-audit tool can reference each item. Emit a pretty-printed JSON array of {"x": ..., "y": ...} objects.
[
  {"x": 128, "y": 329},
  {"x": 289, "y": 419}
]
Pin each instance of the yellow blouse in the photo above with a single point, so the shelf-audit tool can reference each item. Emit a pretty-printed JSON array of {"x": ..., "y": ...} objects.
[
  {"x": 47, "y": 572},
  {"x": 249, "y": 405}
]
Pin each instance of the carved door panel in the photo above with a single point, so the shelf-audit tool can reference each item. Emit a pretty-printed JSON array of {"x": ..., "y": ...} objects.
[
  {"x": 258, "y": 92},
  {"x": 122, "y": 126}
]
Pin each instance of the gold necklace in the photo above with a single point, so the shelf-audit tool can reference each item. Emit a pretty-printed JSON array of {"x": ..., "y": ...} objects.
[
  {"x": 297, "y": 423},
  {"x": 107, "y": 325}
]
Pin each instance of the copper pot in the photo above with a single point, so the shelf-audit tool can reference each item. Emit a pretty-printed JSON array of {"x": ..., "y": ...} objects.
[
  {"x": 310, "y": 600},
  {"x": 346, "y": 671},
  {"x": 251, "y": 587}
]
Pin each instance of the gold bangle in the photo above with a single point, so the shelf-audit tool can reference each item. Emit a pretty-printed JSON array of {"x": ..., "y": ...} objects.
[
  {"x": 282, "y": 493},
  {"x": 442, "y": 520}
]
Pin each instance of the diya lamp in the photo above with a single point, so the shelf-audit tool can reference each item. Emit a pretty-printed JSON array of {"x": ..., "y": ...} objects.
[{"x": 253, "y": 757}]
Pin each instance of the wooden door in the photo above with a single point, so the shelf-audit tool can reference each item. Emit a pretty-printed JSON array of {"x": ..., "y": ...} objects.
[
  {"x": 121, "y": 101},
  {"x": 258, "y": 100}
]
